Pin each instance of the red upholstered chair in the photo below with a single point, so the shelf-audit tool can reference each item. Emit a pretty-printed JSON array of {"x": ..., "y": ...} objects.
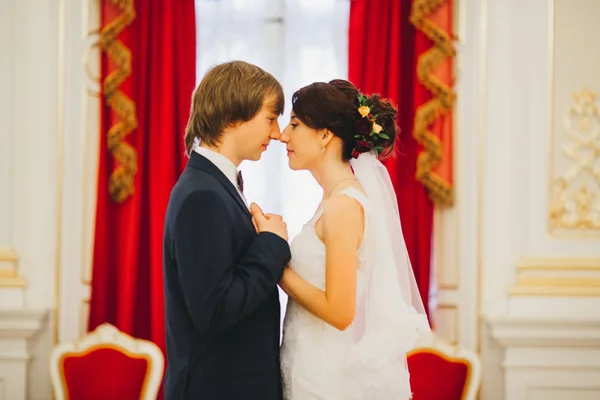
[
  {"x": 106, "y": 364},
  {"x": 439, "y": 371}
]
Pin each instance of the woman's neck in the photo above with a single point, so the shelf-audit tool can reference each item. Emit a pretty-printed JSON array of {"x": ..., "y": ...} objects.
[{"x": 331, "y": 176}]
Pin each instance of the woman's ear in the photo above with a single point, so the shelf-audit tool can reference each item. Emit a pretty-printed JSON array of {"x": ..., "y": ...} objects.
[{"x": 326, "y": 136}]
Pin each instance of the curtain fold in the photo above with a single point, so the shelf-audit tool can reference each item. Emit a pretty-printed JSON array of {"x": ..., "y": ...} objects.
[
  {"x": 383, "y": 53},
  {"x": 148, "y": 75}
]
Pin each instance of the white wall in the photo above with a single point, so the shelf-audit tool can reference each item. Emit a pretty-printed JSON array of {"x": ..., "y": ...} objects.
[
  {"x": 79, "y": 164},
  {"x": 537, "y": 288},
  {"x": 28, "y": 134},
  {"x": 29, "y": 125},
  {"x": 456, "y": 229},
  {"x": 48, "y": 158}
]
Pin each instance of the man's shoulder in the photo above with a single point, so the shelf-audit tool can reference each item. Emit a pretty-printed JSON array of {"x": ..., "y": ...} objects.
[
  {"x": 201, "y": 186},
  {"x": 195, "y": 197},
  {"x": 195, "y": 180}
]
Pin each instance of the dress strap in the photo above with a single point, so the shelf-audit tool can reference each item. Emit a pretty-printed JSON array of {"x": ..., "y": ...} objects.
[
  {"x": 351, "y": 192},
  {"x": 355, "y": 194}
]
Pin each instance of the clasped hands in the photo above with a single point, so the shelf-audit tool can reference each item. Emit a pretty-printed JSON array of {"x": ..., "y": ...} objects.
[
  {"x": 271, "y": 223},
  {"x": 268, "y": 222}
]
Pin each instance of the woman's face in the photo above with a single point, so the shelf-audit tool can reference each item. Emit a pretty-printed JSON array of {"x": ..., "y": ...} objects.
[{"x": 303, "y": 144}]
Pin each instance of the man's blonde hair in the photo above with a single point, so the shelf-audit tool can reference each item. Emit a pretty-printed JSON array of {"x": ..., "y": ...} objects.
[{"x": 231, "y": 92}]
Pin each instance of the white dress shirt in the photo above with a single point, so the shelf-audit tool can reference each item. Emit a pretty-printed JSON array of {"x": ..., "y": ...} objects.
[{"x": 225, "y": 165}]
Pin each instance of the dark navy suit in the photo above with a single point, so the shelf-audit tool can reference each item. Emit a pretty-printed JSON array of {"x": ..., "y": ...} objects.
[{"x": 221, "y": 298}]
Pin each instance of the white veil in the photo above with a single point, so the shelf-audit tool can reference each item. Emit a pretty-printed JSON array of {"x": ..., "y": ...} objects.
[{"x": 390, "y": 314}]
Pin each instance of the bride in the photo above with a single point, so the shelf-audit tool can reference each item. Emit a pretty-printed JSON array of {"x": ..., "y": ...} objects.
[{"x": 354, "y": 308}]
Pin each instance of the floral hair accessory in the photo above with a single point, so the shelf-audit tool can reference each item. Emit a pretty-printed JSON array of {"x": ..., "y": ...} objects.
[{"x": 368, "y": 131}]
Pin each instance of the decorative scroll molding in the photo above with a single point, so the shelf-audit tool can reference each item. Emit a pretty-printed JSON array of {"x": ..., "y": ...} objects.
[{"x": 575, "y": 203}]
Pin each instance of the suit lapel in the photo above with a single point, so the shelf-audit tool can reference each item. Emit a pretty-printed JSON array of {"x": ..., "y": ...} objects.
[{"x": 198, "y": 161}]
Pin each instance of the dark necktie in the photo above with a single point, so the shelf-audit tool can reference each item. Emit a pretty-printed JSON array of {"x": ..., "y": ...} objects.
[{"x": 240, "y": 182}]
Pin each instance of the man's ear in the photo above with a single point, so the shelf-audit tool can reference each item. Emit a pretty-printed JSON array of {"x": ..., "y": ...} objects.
[{"x": 232, "y": 125}]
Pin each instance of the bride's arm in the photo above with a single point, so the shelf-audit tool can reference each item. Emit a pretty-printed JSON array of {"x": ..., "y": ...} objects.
[{"x": 342, "y": 224}]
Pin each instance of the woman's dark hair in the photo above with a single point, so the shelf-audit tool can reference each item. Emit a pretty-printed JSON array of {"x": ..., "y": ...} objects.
[{"x": 334, "y": 106}]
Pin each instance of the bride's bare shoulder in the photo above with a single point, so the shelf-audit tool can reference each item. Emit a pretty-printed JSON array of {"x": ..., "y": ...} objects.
[{"x": 342, "y": 215}]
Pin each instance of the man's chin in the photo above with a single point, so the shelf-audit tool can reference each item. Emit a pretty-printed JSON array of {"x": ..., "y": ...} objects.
[
  {"x": 259, "y": 153},
  {"x": 255, "y": 157}
]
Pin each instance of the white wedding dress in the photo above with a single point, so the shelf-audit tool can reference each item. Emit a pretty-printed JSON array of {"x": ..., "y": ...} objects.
[{"x": 320, "y": 362}]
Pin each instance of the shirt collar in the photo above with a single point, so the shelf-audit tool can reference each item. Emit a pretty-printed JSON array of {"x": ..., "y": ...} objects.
[{"x": 224, "y": 164}]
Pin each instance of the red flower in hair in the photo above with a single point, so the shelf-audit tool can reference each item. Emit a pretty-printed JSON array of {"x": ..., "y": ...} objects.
[
  {"x": 361, "y": 147},
  {"x": 363, "y": 126}
]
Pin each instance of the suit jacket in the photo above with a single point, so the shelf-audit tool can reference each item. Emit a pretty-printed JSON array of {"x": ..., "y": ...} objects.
[{"x": 221, "y": 298}]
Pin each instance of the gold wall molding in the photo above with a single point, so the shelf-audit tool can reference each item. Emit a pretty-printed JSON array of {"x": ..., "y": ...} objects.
[
  {"x": 9, "y": 275},
  {"x": 576, "y": 193},
  {"x": 8, "y": 255},
  {"x": 573, "y": 209},
  {"x": 563, "y": 263},
  {"x": 557, "y": 277}
]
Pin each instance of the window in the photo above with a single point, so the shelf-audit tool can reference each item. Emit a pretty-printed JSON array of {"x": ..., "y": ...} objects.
[{"x": 299, "y": 42}]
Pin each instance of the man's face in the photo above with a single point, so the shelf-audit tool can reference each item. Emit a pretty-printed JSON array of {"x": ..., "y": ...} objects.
[{"x": 254, "y": 136}]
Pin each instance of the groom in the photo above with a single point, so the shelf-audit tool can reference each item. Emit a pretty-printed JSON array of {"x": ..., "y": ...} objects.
[{"x": 222, "y": 263}]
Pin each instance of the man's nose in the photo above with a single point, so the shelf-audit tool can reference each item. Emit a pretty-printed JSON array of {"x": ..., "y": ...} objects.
[{"x": 275, "y": 132}]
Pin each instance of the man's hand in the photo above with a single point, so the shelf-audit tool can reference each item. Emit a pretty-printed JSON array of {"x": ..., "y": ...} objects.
[{"x": 269, "y": 222}]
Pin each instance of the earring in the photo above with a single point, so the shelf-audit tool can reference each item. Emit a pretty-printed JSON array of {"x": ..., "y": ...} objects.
[{"x": 322, "y": 148}]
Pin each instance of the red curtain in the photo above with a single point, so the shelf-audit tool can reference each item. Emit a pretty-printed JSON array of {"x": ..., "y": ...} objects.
[
  {"x": 148, "y": 72},
  {"x": 383, "y": 59}
]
